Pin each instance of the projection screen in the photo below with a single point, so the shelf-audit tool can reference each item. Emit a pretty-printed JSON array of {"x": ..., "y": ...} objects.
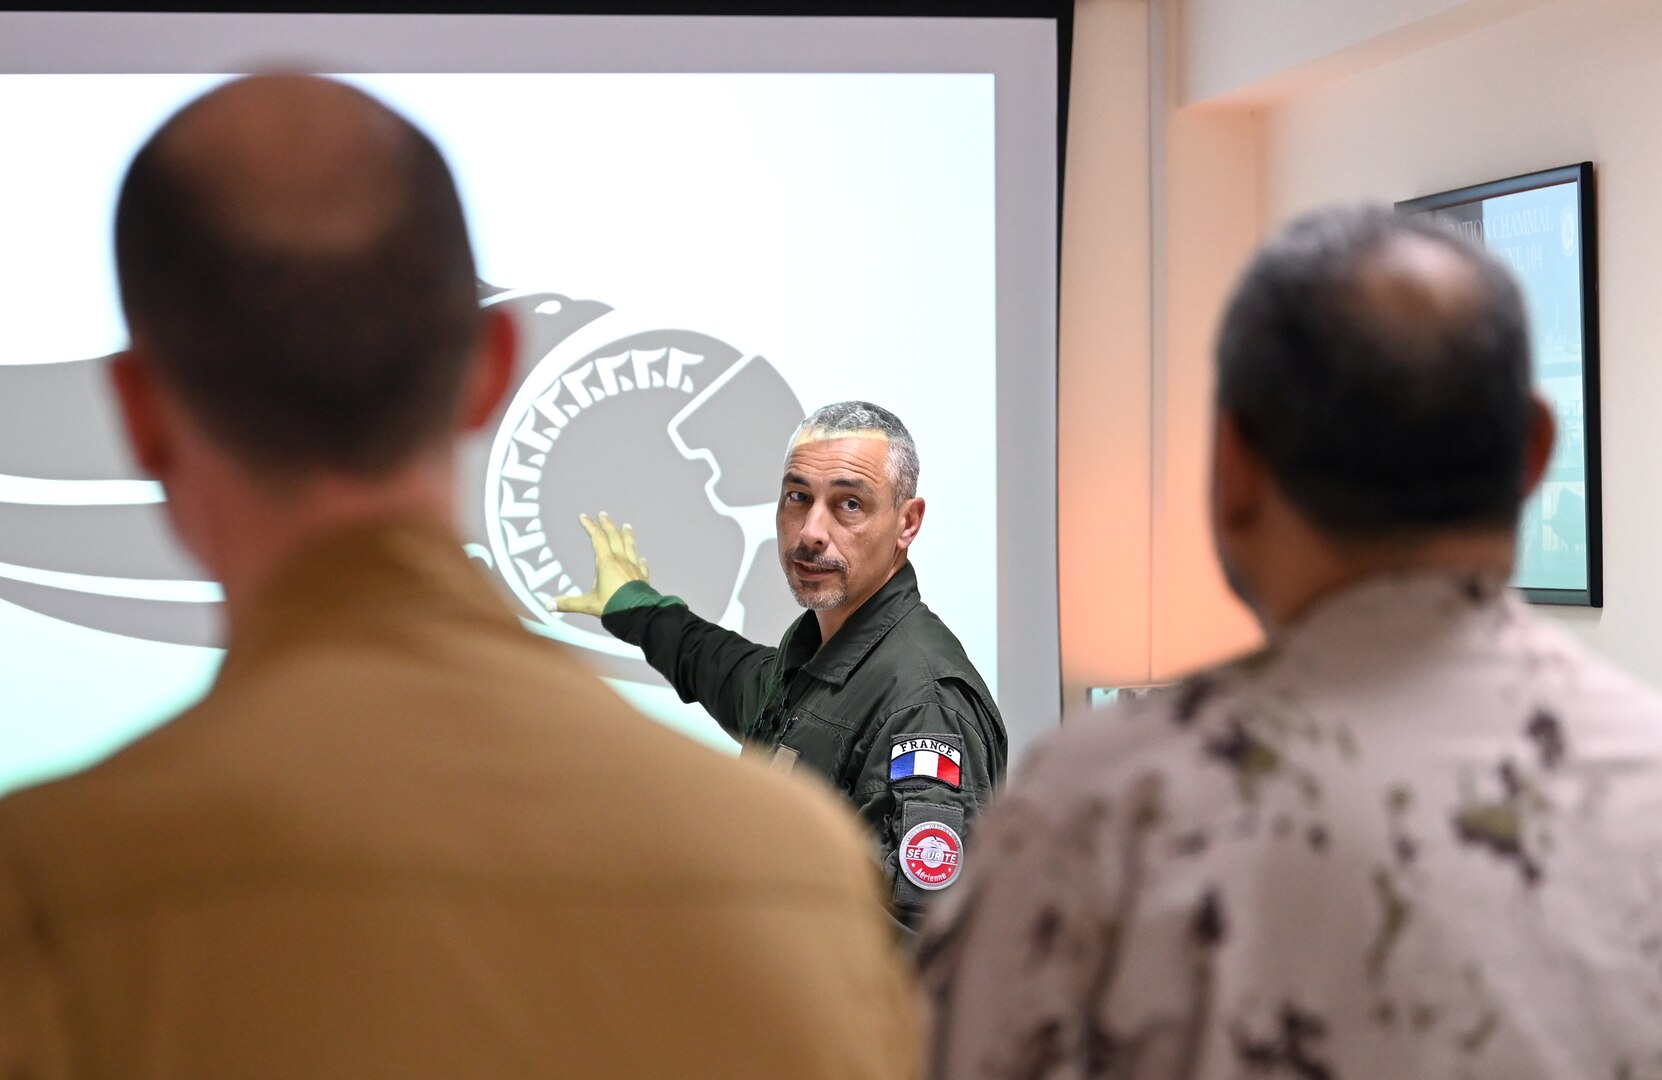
[{"x": 704, "y": 226}]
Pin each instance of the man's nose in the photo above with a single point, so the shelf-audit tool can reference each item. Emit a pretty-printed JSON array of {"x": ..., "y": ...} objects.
[{"x": 815, "y": 531}]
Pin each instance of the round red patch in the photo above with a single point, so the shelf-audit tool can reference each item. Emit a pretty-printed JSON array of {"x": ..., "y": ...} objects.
[{"x": 931, "y": 855}]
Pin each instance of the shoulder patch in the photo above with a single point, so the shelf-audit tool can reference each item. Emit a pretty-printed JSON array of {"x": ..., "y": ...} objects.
[
  {"x": 927, "y": 757},
  {"x": 931, "y": 854}
]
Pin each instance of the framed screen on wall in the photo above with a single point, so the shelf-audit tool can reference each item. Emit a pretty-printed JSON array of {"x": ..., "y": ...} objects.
[{"x": 1542, "y": 225}]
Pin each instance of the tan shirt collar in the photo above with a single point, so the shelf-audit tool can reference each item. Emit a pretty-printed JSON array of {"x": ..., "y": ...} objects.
[{"x": 359, "y": 579}]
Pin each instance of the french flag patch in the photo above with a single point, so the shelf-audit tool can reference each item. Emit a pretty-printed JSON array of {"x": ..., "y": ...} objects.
[{"x": 925, "y": 756}]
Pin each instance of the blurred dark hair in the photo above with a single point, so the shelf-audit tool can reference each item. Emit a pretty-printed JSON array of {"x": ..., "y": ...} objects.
[
  {"x": 1383, "y": 399},
  {"x": 296, "y": 356}
]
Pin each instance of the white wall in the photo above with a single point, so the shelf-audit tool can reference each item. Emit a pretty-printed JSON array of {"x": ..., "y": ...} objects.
[
  {"x": 1103, "y": 418},
  {"x": 1205, "y": 220},
  {"x": 1257, "y": 51},
  {"x": 1160, "y": 204}
]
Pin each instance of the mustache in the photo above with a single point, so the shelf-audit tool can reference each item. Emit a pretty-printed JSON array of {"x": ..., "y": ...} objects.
[{"x": 818, "y": 562}]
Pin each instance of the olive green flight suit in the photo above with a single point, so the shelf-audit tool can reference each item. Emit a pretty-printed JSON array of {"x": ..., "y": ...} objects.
[{"x": 891, "y": 693}]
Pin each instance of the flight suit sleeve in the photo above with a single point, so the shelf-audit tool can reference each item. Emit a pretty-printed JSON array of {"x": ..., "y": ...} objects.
[
  {"x": 32, "y": 1039},
  {"x": 922, "y": 778},
  {"x": 722, "y": 671}
]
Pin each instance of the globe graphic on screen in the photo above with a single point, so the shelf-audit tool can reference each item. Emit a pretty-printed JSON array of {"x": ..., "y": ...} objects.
[{"x": 673, "y": 431}]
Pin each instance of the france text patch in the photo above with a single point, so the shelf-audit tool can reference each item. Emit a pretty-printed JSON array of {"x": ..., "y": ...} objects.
[{"x": 927, "y": 756}]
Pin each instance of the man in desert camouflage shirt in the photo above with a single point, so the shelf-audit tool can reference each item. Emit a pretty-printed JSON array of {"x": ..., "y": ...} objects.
[{"x": 1420, "y": 833}]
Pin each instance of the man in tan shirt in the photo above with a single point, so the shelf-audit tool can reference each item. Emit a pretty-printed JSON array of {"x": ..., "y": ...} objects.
[{"x": 400, "y": 836}]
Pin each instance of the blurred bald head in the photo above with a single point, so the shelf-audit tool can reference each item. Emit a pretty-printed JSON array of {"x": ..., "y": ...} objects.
[
  {"x": 1380, "y": 366},
  {"x": 294, "y": 263}
]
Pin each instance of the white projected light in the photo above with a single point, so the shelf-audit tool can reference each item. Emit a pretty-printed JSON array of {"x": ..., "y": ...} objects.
[{"x": 695, "y": 259}]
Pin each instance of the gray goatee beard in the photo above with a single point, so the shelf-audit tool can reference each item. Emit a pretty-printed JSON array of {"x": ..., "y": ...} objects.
[{"x": 827, "y": 595}]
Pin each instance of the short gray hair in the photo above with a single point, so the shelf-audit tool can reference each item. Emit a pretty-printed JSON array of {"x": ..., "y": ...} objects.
[{"x": 853, "y": 417}]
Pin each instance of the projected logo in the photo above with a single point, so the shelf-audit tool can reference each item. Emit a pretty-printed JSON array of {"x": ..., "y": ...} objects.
[
  {"x": 675, "y": 431},
  {"x": 83, "y": 536}
]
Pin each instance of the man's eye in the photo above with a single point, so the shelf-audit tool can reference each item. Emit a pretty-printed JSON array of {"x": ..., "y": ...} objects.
[
  {"x": 851, "y": 504},
  {"x": 796, "y": 496}
]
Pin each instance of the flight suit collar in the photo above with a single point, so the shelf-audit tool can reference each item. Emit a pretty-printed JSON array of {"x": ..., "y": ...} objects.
[{"x": 835, "y": 660}]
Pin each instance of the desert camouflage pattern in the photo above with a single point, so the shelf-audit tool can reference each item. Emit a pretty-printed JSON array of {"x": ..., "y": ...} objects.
[{"x": 1419, "y": 836}]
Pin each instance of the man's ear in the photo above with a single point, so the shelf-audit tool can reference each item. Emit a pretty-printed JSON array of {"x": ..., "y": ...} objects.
[
  {"x": 1238, "y": 476},
  {"x": 493, "y": 369},
  {"x": 143, "y": 416},
  {"x": 911, "y": 520},
  {"x": 1543, "y": 435}
]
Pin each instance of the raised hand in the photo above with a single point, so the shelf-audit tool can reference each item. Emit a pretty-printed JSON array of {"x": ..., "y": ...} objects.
[{"x": 615, "y": 564}]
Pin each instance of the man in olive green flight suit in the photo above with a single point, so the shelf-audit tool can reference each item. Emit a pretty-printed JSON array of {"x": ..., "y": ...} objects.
[{"x": 869, "y": 689}]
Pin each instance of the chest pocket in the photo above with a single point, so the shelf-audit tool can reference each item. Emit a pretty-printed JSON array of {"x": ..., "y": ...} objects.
[{"x": 819, "y": 744}]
